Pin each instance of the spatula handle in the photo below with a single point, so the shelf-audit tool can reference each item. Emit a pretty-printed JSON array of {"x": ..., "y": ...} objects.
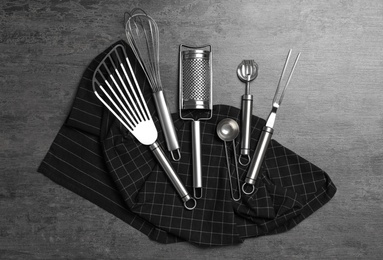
[{"x": 175, "y": 180}]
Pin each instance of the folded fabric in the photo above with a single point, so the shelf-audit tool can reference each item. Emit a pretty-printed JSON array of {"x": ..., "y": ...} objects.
[{"x": 95, "y": 157}]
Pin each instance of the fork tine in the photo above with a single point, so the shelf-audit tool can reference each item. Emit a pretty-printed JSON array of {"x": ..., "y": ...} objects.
[
  {"x": 289, "y": 78},
  {"x": 279, "y": 102},
  {"x": 280, "y": 78}
]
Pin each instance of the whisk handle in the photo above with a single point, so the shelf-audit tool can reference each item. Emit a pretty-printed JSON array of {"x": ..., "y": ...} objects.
[
  {"x": 247, "y": 107},
  {"x": 167, "y": 124},
  {"x": 258, "y": 157},
  {"x": 172, "y": 175}
]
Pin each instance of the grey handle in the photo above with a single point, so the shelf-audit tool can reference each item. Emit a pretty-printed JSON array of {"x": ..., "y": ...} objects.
[
  {"x": 175, "y": 180},
  {"x": 247, "y": 107},
  {"x": 167, "y": 124},
  {"x": 196, "y": 156},
  {"x": 259, "y": 155}
]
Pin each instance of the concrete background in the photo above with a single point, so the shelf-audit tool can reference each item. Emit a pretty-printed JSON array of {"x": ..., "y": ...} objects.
[{"x": 331, "y": 115}]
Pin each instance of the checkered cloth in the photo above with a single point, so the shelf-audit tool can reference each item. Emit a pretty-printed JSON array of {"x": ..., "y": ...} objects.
[{"x": 95, "y": 157}]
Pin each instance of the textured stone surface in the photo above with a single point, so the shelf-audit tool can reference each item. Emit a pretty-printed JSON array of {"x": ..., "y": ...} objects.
[{"x": 331, "y": 115}]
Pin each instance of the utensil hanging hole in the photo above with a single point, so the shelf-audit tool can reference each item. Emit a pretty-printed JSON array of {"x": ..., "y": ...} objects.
[
  {"x": 176, "y": 155},
  {"x": 190, "y": 204},
  {"x": 197, "y": 193},
  {"x": 245, "y": 190},
  {"x": 244, "y": 160}
]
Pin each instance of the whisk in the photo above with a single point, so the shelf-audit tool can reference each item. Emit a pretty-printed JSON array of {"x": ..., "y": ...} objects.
[
  {"x": 143, "y": 37},
  {"x": 115, "y": 85},
  {"x": 267, "y": 131},
  {"x": 247, "y": 71}
]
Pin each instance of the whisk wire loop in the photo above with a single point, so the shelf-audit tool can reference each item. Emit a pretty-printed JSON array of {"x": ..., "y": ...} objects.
[{"x": 142, "y": 34}]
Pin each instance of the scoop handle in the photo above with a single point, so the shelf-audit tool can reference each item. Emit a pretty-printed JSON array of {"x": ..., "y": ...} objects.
[{"x": 170, "y": 172}]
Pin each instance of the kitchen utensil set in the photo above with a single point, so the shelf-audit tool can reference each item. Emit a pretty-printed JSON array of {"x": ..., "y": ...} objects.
[{"x": 116, "y": 86}]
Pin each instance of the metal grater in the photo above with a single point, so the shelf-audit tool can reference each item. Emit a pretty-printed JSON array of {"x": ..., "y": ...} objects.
[
  {"x": 195, "y": 79},
  {"x": 195, "y": 82}
]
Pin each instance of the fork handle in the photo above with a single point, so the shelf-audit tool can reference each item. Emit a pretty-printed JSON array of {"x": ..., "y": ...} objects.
[
  {"x": 259, "y": 155},
  {"x": 170, "y": 172}
]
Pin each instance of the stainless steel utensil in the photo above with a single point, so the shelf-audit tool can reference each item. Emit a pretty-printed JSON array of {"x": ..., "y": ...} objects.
[
  {"x": 196, "y": 99},
  {"x": 227, "y": 131},
  {"x": 267, "y": 130},
  {"x": 115, "y": 85},
  {"x": 247, "y": 71},
  {"x": 143, "y": 37}
]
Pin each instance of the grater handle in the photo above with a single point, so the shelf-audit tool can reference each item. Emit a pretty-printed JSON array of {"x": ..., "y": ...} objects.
[
  {"x": 175, "y": 180},
  {"x": 167, "y": 125},
  {"x": 196, "y": 156}
]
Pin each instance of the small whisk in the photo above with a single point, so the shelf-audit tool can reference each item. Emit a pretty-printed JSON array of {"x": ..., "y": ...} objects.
[
  {"x": 143, "y": 37},
  {"x": 247, "y": 71},
  {"x": 267, "y": 130}
]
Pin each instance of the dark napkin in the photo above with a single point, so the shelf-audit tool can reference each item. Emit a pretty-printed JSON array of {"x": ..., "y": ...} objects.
[{"x": 94, "y": 156}]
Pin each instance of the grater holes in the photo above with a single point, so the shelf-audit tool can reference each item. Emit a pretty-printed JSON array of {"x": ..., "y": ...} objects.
[{"x": 196, "y": 79}]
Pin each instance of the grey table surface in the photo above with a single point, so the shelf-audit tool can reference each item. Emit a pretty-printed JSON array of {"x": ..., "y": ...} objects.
[{"x": 331, "y": 115}]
